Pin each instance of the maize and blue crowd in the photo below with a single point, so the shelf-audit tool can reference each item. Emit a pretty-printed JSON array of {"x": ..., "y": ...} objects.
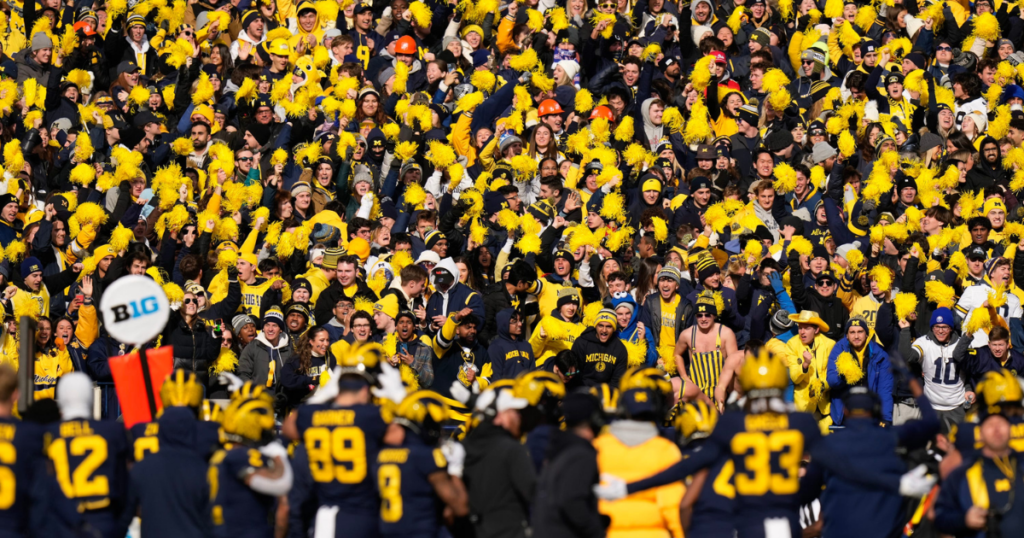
[{"x": 489, "y": 268}]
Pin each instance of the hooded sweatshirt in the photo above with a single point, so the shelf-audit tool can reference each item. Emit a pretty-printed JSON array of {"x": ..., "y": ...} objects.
[
  {"x": 261, "y": 361},
  {"x": 169, "y": 486},
  {"x": 652, "y": 132},
  {"x": 456, "y": 298},
  {"x": 603, "y": 362},
  {"x": 509, "y": 355}
]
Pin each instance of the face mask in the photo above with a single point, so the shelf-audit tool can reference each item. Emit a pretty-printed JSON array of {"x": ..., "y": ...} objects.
[{"x": 443, "y": 280}]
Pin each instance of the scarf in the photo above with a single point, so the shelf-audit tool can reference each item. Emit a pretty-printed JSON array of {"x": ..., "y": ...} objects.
[{"x": 769, "y": 221}]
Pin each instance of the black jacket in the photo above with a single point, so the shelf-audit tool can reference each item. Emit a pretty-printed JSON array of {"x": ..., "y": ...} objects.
[
  {"x": 324, "y": 310},
  {"x": 566, "y": 505},
  {"x": 831, "y": 310},
  {"x": 602, "y": 362},
  {"x": 496, "y": 299},
  {"x": 500, "y": 480},
  {"x": 195, "y": 349}
]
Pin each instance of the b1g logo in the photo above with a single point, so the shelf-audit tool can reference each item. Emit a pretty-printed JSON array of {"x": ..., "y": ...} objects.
[{"x": 135, "y": 309}]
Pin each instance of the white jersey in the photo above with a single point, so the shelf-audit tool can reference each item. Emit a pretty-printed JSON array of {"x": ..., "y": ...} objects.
[
  {"x": 942, "y": 383},
  {"x": 972, "y": 299}
]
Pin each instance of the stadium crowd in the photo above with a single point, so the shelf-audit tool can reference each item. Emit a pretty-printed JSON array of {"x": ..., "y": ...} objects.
[{"x": 499, "y": 269}]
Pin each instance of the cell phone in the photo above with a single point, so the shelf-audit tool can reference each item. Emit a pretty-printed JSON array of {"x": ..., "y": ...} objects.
[
  {"x": 80, "y": 298},
  {"x": 451, "y": 67}
]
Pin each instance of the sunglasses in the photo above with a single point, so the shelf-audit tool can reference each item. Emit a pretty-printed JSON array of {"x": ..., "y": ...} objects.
[
  {"x": 570, "y": 374},
  {"x": 189, "y": 301},
  {"x": 702, "y": 315},
  {"x": 944, "y": 48},
  {"x": 187, "y": 34},
  {"x": 826, "y": 283},
  {"x": 808, "y": 62},
  {"x": 244, "y": 159}
]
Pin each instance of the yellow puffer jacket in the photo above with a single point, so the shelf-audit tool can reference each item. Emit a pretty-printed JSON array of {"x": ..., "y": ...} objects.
[
  {"x": 647, "y": 514},
  {"x": 814, "y": 377}
]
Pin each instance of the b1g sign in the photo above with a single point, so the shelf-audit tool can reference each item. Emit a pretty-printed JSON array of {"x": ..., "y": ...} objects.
[{"x": 135, "y": 309}]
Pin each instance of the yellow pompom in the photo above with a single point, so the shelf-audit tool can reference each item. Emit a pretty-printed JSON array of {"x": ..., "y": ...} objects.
[
  {"x": 523, "y": 62},
  {"x": 801, "y": 245},
  {"x": 905, "y": 304},
  {"x": 847, "y": 367},
  {"x": 939, "y": 293},
  {"x": 406, "y": 150},
  {"x": 785, "y": 178},
  {"x": 421, "y": 14},
  {"x": 701, "y": 76},
  {"x": 624, "y": 132}
]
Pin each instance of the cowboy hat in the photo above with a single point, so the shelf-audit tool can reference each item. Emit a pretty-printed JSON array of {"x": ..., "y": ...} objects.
[{"x": 808, "y": 317}]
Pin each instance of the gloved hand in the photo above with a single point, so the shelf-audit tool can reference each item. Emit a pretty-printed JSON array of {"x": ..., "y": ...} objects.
[
  {"x": 274, "y": 449},
  {"x": 916, "y": 483},
  {"x": 455, "y": 453},
  {"x": 775, "y": 279},
  {"x": 462, "y": 206},
  {"x": 231, "y": 380},
  {"x": 391, "y": 386},
  {"x": 461, "y": 393},
  {"x": 611, "y": 488},
  {"x": 232, "y": 272},
  {"x": 869, "y": 205}
]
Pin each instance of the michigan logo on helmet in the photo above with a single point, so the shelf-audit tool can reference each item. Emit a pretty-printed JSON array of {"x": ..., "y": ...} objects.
[
  {"x": 763, "y": 371},
  {"x": 695, "y": 420},
  {"x": 180, "y": 389},
  {"x": 250, "y": 420},
  {"x": 997, "y": 389},
  {"x": 653, "y": 379},
  {"x": 608, "y": 396}
]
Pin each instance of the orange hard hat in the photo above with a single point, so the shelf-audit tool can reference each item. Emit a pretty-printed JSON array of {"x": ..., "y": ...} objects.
[
  {"x": 602, "y": 112},
  {"x": 405, "y": 45},
  {"x": 548, "y": 107}
]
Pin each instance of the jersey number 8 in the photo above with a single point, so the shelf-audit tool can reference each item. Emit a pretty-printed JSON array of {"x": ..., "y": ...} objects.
[
  {"x": 755, "y": 476},
  {"x": 389, "y": 482},
  {"x": 338, "y": 454},
  {"x": 8, "y": 456}
]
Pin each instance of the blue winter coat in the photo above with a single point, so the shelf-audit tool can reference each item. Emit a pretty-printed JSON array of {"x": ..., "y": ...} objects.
[{"x": 878, "y": 377}]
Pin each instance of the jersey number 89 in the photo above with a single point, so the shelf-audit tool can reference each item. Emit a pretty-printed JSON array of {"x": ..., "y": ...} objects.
[{"x": 338, "y": 454}]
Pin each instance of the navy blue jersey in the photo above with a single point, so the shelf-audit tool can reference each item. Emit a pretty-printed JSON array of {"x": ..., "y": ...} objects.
[
  {"x": 713, "y": 509},
  {"x": 237, "y": 509},
  {"x": 341, "y": 445},
  {"x": 144, "y": 439},
  {"x": 765, "y": 450},
  {"x": 409, "y": 506},
  {"x": 90, "y": 461},
  {"x": 20, "y": 450}
]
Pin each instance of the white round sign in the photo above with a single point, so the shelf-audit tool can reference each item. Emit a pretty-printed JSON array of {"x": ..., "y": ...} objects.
[{"x": 135, "y": 309}]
